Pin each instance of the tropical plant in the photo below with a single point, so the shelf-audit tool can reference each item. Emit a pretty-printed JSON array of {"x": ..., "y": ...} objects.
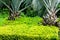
[
  {"x": 51, "y": 7},
  {"x": 14, "y": 7},
  {"x": 37, "y": 5},
  {"x": 6, "y": 1}
]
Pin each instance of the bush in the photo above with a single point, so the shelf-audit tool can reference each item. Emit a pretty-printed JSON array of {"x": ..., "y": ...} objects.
[
  {"x": 25, "y": 32},
  {"x": 24, "y": 20},
  {"x": 26, "y": 28},
  {"x": 31, "y": 13}
]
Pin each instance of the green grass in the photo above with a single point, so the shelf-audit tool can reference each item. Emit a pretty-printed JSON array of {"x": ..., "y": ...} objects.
[{"x": 26, "y": 28}]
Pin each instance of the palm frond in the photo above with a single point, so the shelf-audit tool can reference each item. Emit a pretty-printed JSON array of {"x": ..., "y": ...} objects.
[
  {"x": 6, "y": 5},
  {"x": 51, "y": 5},
  {"x": 37, "y": 4},
  {"x": 16, "y": 4}
]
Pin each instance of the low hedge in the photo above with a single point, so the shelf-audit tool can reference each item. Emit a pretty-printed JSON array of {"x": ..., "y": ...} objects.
[
  {"x": 16, "y": 37},
  {"x": 28, "y": 32}
]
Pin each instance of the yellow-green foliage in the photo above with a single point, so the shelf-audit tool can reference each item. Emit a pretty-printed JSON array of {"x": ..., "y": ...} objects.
[
  {"x": 26, "y": 32},
  {"x": 26, "y": 28},
  {"x": 24, "y": 20}
]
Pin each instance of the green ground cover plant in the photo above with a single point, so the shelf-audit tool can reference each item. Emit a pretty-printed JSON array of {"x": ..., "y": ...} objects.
[
  {"x": 29, "y": 20},
  {"x": 26, "y": 28}
]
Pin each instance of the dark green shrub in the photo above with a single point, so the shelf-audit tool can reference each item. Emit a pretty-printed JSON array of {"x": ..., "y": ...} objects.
[
  {"x": 31, "y": 13},
  {"x": 16, "y": 37}
]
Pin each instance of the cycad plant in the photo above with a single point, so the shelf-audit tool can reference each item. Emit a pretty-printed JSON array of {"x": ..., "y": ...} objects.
[
  {"x": 14, "y": 7},
  {"x": 51, "y": 7},
  {"x": 37, "y": 5}
]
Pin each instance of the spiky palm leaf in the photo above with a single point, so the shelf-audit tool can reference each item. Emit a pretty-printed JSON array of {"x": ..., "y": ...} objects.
[
  {"x": 15, "y": 10},
  {"x": 27, "y": 2},
  {"x": 15, "y": 4},
  {"x": 37, "y": 4},
  {"x": 51, "y": 7}
]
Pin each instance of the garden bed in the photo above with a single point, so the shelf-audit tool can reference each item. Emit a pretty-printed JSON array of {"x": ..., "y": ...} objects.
[{"x": 26, "y": 32}]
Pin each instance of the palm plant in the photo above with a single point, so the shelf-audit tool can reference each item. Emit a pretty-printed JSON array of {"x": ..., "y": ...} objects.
[
  {"x": 7, "y": 1},
  {"x": 37, "y": 5},
  {"x": 51, "y": 7},
  {"x": 14, "y": 7}
]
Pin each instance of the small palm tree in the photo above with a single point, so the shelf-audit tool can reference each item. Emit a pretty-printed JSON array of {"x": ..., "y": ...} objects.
[
  {"x": 51, "y": 7},
  {"x": 14, "y": 7}
]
